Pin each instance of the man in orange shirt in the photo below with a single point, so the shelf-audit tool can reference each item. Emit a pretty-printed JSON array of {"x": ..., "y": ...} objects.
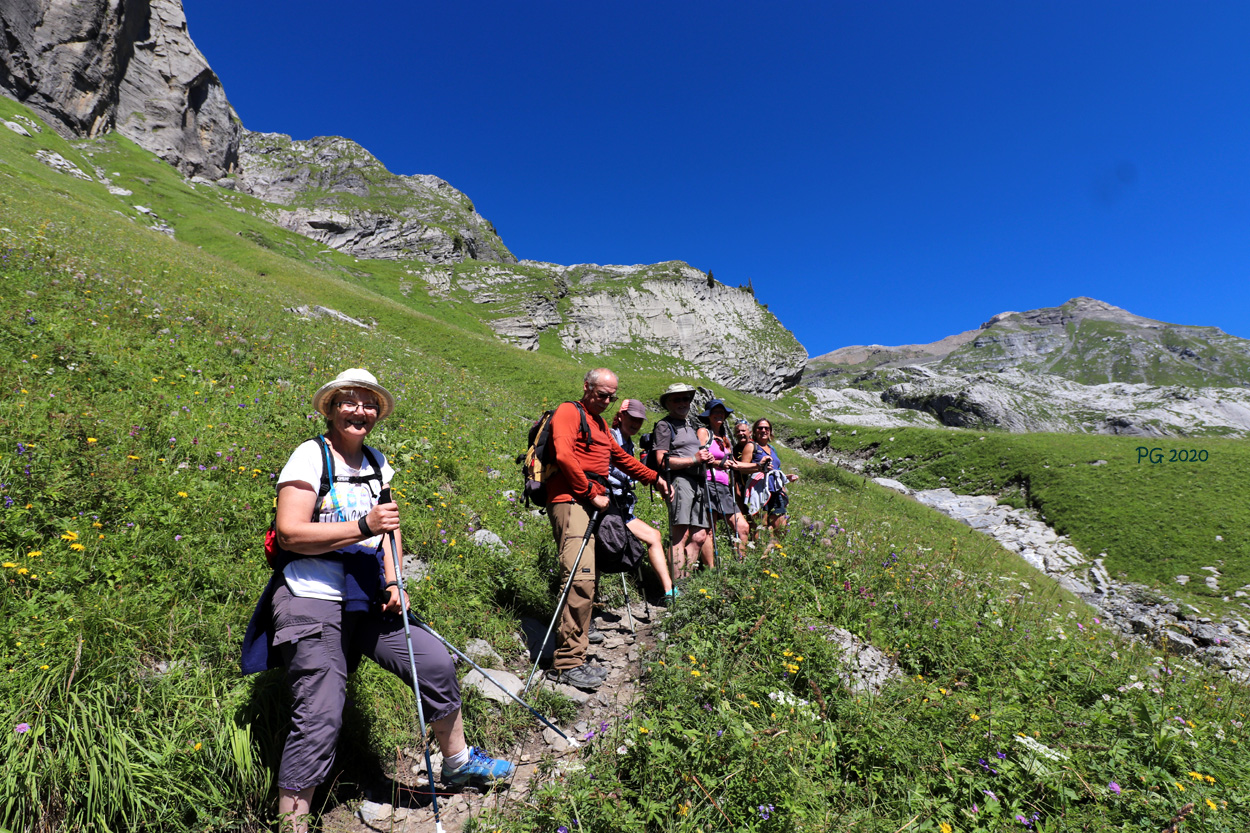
[{"x": 576, "y": 490}]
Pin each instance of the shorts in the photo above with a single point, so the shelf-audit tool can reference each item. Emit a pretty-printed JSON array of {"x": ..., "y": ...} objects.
[
  {"x": 777, "y": 504},
  {"x": 723, "y": 502},
  {"x": 689, "y": 507}
]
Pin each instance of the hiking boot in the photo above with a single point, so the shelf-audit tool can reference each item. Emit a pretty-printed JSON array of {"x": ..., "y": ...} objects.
[
  {"x": 481, "y": 771},
  {"x": 600, "y": 671},
  {"x": 594, "y": 636},
  {"x": 580, "y": 677}
]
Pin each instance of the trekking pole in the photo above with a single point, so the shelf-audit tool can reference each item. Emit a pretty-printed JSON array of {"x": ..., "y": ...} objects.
[
  {"x": 590, "y": 527},
  {"x": 668, "y": 507},
  {"x": 418, "y": 622},
  {"x": 628, "y": 612},
  {"x": 646, "y": 604},
  {"x": 385, "y": 497},
  {"x": 711, "y": 516},
  {"x": 624, "y": 507}
]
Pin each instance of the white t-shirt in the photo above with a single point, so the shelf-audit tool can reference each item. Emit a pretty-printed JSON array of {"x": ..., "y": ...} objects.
[{"x": 323, "y": 578}]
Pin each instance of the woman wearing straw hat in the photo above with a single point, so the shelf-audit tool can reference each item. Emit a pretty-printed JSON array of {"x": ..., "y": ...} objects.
[{"x": 334, "y": 598}]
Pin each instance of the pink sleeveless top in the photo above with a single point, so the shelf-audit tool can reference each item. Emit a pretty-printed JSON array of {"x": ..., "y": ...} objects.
[{"x": 719, "y": 453}]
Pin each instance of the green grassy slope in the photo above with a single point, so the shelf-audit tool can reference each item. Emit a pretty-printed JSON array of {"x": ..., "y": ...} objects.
[
  {"x": 152, "y": 387},
  {"x": 1154, "y": 508}
]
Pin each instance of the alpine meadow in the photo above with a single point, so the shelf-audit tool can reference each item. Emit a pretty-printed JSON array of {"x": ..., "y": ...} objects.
[{"x": 885, "y": 669}]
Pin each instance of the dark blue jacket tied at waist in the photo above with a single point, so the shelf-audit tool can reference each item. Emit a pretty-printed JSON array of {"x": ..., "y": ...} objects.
[{"x": 363, "y": 585}]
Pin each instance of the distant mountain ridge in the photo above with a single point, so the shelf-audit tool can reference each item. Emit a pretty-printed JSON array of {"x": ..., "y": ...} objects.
[
  {"x": 1083, "y": 366},
  {"x": 1084, "y": 340}
]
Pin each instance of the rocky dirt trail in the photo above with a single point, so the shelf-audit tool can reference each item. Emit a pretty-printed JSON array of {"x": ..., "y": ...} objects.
[{"x": 541, "y": 757}]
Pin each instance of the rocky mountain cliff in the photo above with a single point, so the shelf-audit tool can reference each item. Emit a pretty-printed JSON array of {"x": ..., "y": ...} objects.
[
  {"x": 1084, "y": 340},
  {"x": 92, "y": 66},
  {"x": 334, "y": 191},
  {"x": 1094, "y": 343},
  {"x": 665, "y": 316},
  {"x": 1084, "y": 366}
]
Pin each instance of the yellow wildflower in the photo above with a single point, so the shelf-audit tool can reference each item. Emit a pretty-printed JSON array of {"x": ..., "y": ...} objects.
[
  {"x": 1197, "y": 776},
  {"x": 34, "y": 553},
  {"x": 131, "y": 457},
  {"x": 945, "y": 828},
  {"x": 643, "y": 730},
  {"x": 78, "y": 547},
  {"x": 1211, "y": 804},
  {"x": 70, "y": 536},
  {"x": 974, "y": 717},
  {"x": 9, "y": 565},
  {"x": 182, "y": 494},
  {"x": 92, "y": 440}
]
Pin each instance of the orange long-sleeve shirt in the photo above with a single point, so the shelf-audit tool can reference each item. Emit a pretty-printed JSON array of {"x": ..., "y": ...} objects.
[{"x": 575, "y": 457}]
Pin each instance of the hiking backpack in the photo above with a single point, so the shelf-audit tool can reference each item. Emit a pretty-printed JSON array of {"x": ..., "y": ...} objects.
[
  {"x": 538, "y": 462},
  {"x": 275, "y": 556}
]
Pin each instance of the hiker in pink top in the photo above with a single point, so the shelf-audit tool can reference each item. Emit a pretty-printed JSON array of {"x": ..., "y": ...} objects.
[{"x": 715, "y": 437}]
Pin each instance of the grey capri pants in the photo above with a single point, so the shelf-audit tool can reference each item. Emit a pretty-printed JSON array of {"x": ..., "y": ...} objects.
[{"x": 321, "y": 645}]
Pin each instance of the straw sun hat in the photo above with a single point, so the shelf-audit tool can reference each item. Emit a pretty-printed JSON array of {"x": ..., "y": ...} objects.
[{"x": 354, "y": 378}]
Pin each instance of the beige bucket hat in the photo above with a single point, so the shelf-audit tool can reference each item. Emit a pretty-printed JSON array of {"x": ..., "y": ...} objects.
[
  {"x": 357, "y": 378},
  {"x": 675, "y": 388}
]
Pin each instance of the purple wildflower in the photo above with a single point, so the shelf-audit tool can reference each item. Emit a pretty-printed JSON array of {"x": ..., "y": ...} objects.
[
  {"x": 22, "y": 728},
  {"x": 1114, "y": 787}
]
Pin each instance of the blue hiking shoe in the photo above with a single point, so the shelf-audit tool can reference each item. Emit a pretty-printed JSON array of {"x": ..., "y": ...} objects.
[{"x": 481, "y": 771}]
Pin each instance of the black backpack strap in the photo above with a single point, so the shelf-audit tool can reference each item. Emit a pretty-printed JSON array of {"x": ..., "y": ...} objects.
[
  {"x": 585, "y": 426},
  {"x": 377, "y": 471},
  {"x": 327, "y": 468}
]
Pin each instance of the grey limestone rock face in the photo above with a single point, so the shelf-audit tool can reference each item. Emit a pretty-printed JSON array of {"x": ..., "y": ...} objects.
[
  {"x": 91, "y": 66},
  {"x": 723, "y": 331},
  {"x": 1020, "y": 401},
  {"x": 336, "y": 192},
  {"x": 669, "y": 314}
]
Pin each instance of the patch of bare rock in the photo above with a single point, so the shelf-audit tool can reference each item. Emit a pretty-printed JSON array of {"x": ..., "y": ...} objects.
[{"x": 1137, "y": 612}]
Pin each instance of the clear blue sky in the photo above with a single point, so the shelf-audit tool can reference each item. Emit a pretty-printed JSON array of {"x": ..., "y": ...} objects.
[{"x": 884, "y": 172}]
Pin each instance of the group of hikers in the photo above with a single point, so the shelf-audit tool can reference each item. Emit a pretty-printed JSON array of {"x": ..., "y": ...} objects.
[
  {"x": 336, "y": 593},
  {"x": 706, "y": 475}
]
